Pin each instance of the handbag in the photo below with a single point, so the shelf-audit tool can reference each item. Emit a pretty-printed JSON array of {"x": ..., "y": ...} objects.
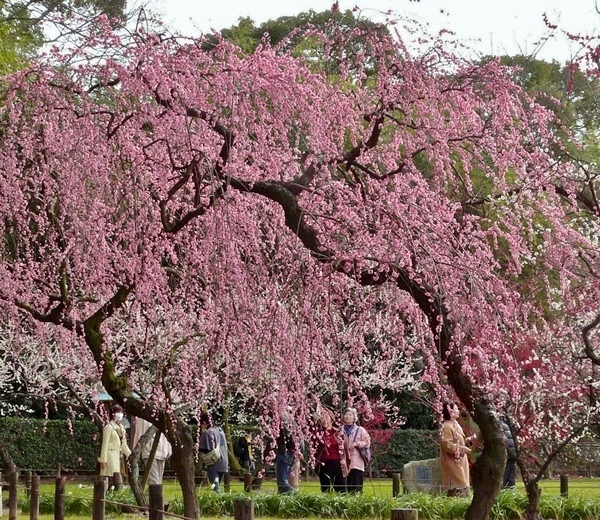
[
  {"x": 213, "y": 456},
  {"x": 365, "y": 453}
]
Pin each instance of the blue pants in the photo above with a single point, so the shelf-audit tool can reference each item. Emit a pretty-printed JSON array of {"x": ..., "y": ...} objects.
[
  {"x": 214, "y": 478},
  {"x": 284, "y": 486}
]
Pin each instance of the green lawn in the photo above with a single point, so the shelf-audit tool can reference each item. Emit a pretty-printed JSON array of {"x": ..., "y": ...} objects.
[{"x": 580, "y": 487}]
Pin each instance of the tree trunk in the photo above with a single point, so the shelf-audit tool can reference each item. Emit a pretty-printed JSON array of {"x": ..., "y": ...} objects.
[
  {"x": 133, "y": 475},
  {"x": 182, "y": 461},
  {"x": 7, "y": 461},
  {"x": 120, "y": 389},
  {"x": 488, "y": 469},
  {"x": 532, "y": 511}
]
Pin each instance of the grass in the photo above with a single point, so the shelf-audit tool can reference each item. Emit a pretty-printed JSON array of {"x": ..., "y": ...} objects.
[
  {"x": 578, "y": 487},
  {"x": 375, "y": 502}
]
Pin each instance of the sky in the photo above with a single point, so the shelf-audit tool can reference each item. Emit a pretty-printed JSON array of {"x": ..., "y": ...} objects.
[{"x": 488, "y": 26}]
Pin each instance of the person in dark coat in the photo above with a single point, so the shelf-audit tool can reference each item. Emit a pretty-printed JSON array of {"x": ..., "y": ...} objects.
[
  {"x": 510, "y": 471},
  {"x": 244, "y": 452}
]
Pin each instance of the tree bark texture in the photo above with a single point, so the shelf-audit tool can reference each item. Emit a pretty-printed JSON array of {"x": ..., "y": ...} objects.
[
  {"x": 532, "y": 511},
  {"x": 488, "y": 469},
  {"x": 133, "y": 469},
  {"x": 119, "y": 388},
  {"x": 182, "y": 461}
]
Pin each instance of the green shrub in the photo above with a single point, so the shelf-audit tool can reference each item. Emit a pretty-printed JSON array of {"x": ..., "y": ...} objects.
[
  {"x": 404, "y": 446},
  {"x": 41, "y": 445}
]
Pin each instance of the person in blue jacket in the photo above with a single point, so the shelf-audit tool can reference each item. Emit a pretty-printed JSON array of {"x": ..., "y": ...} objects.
[{"x": 213, "y": 436}]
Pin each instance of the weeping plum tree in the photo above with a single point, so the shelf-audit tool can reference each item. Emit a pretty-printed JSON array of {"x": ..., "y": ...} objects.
[{"x": 219, "y": 223}]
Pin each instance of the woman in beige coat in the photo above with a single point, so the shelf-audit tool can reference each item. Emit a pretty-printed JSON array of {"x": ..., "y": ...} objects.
[
  {"x": 454, "y": 452},
  {"x": 114, "y": 442}
]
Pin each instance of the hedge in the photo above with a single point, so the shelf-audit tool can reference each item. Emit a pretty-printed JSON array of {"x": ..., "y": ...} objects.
[
  {"x": 404, "y": 446},
  {"x": 41, "y": 445}
]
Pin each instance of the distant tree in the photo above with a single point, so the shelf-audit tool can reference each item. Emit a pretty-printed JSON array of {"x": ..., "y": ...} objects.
[
  {"x": 28, "y": 16},
  {"x": 556, "y": 402},
  {"x": 26, "y": 25},
  {"x": 18, "y": 42},
  {"x": 291, "y": 31}
]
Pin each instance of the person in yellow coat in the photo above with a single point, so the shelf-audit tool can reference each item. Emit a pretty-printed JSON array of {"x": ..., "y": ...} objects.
[
  {"x": 454, "y": 452},
  {"x": 114, "y": 443}
]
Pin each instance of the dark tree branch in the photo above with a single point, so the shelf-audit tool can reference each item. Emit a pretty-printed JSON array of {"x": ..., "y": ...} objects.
[
  {"x": 590, "y": 352},
  {"x": 55, "y": 315},
  {"x": 544, "y": 467}
]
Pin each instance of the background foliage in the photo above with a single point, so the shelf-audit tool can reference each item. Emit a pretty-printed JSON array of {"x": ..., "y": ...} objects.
[
  {"x": 42, "y": 445},
  {"x": 404, "y": 446}
]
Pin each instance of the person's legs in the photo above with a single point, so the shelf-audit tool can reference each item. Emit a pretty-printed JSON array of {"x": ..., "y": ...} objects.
[
  {"x": 214, "y": 478},
  {"x": 324, "y": 480},
  {"x": 285, "y": 487},
  {"x": 359, "y": 479},
  {"x": 160, "y": 468},
  {"x": 510, "y": 474},
  {"x": 155, "y": 476},
  {"x": 513, "y": 474},
  {"x": 354, "y": 481},
  {"x": 326, "y": 476},
  {"x": 221, "y": 476},
  {"x": 339, "y": 482}
]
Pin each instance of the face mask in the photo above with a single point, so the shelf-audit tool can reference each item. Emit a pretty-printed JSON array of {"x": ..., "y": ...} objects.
[{"x": 118, "y": 417}]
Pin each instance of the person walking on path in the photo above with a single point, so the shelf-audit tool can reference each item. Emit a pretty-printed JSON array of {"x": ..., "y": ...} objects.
[
  {"x": 161, "y": 455},
  {"x": 510, "y": 470},
  {"x": 284, "y": 464}
]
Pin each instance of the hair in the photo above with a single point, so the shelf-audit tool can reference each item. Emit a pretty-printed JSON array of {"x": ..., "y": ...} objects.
[
  {"x": 205, "y": 419},
  {"x": 353, "y": 410},
  {"x": 290, "y": 445},
  {"x": 327, "y": 417},
  {"x": 115, "y": 408},
  {"x": 446, "y": 407}
]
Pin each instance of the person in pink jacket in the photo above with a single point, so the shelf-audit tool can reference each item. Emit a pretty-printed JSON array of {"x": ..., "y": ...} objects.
[{"x": 353, "y": 437}]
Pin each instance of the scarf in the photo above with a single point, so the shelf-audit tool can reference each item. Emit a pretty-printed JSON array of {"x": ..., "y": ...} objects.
[{"x": 348, "y": 429}]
